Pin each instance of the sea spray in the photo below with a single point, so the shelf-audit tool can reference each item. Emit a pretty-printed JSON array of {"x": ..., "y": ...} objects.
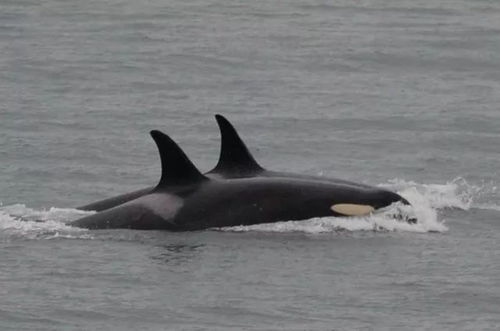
[{"x": 19, "y": 221}]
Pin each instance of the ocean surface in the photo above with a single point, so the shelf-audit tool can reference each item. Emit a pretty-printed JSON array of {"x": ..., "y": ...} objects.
[{"x": 398, "y": 94}]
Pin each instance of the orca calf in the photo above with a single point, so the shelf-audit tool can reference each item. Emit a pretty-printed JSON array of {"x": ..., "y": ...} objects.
[
  {"x": 186, "y": 200},
  {"x": 235, "y": 161}
]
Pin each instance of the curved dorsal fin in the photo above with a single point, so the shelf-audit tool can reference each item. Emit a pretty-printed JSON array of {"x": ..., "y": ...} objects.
[
  {"x": 234, "y": 155},
  {"x": 176, "y": 168}
]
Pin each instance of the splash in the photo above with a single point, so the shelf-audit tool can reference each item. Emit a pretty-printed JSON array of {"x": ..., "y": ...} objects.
[
  {"x": 426, "y": 200},
  {"x": 487, "y": 197},
  {"x": 18, "y": 221},
  {"x": 387, "y": 220},
  {"x": 455, "y": 194}
]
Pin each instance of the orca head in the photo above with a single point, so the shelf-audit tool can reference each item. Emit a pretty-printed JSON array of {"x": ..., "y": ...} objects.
[
  {"x": 342, "y": 200},
  {"x": 385, "y": 198},
  {"x": 294, "y": 199},
  {"x": 388, "y": 198},
  {"x": 368, "y": 202}
]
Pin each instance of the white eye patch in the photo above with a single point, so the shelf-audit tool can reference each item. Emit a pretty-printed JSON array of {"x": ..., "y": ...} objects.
[{"x": 350, "y": 209}]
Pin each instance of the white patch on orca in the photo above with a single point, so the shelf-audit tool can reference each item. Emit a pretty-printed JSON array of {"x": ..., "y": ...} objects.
[
  {"x": 162, "y": 204},
  {"x": 351, "y": 209}
]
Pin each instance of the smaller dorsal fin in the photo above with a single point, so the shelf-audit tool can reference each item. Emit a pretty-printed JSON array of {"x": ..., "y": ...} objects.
[
  {"x": 234, "y": 154},
  {"x": 176, "y": 168}
]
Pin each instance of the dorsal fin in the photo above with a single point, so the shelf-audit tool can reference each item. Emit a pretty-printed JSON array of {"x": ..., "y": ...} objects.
[
  {"x": 176, "y": 168},
  {"x": 234, "y": 155}
]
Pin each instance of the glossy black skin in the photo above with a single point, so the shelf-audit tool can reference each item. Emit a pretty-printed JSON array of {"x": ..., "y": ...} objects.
[
  {"x": 117, "y": 200},
  {"x": 245, "y": 201},
  {"x": 120, "y": 199},
  {"x": 267, "y": 200}
]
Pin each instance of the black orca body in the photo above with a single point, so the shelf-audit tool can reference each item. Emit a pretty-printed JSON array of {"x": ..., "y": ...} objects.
[
  {"x": 117, "y": 200},
  {"x": 186, "y": 200},
  {"x": 235, "y": 161}
]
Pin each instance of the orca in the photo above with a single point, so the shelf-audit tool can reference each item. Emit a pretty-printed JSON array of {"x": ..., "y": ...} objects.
[
  {"x": 187, "y": 200},
  {"x": 235, "y": 161}
]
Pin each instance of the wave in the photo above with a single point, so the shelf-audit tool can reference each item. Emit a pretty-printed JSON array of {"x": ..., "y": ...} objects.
[{"x": 487, "y": 206}]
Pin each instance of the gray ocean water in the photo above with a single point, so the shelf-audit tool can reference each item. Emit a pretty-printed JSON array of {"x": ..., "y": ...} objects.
[{"x": 399, "y": 94}]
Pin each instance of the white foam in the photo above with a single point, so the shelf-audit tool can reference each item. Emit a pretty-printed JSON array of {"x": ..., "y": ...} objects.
[
  {"x": 18, "y": 221},
  {"x": 487, "y": 206},
  {"x": 380, "y": 222},
  {"x": 454, "y": 194}
]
